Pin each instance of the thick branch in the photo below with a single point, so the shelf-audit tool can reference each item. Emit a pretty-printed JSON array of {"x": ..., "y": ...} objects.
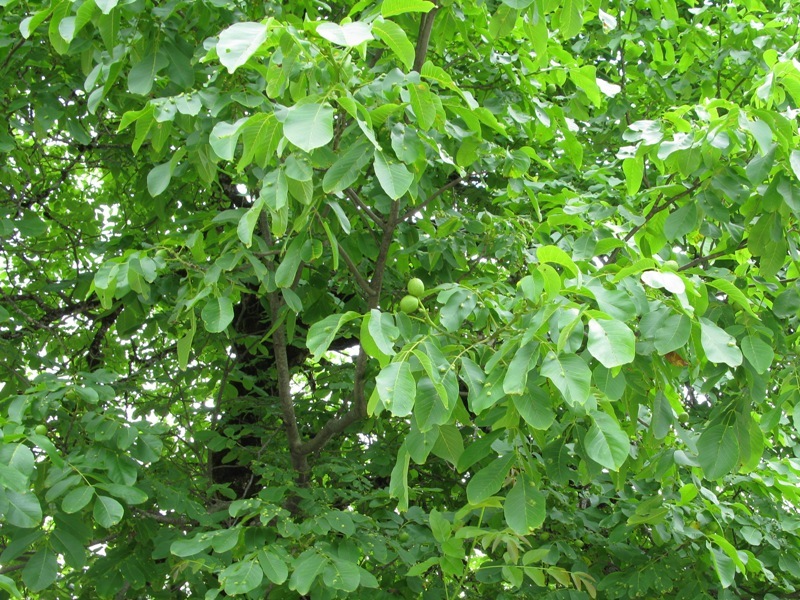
[
  {"x": 423, "y": 39},
  {"x": 299, "y": 461},
  {"x": 357, "y": 410},
  {"x": 358, "y": 405}
]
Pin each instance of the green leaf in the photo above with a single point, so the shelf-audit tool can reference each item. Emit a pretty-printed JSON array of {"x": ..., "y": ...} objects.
[
  {"x": 758, "y": 353},
  {"x": 273, "y": 566},
  {"x": 681, "y": 222},
  {"x": 794, "y": 162},
  {"x": 241, "y": 577},
  {"x": 41, "y": 570},
  {"x": 606, "y": 443},
  {"x": 143, "y": 74},
  {"x": 518, "y": 4},
  {"x": 723, "y": 566},
  {"x": 585, "y": 78},
  {"x": 458, "y": 307},
  {"x": 423, "y": 104},
  {"x": 224, "y": 137},
  {"x": 719, "y": 345},
  {"x": 248, "y": 222},
  {"x": 22, "y": 509},
  {"x": 488, "y": 481},
  {"x": 393, "y": 177},
  {"x": 717, "y": 451},
  {"x": 554, "y": 254},
  {"x": 441, "y": 528},
  {"x": 730, "y": 550},
  {"x": 377, "y": 334},
  {"x": 347, "y": 35},
  {"x": 535, "y": 407},
  {"x": 306, "y": 568},
  {"x": 397, "y": 388},
  {"x": 261, "y": 135},
  {"x": 322, "y": 333},
  {"x": 502, "y": 22},
  {"x": 570, "y": 374},
  {"x": 217, "y": 314},
  {"x": 191, "y": 546},
  {"x": 516, "y": 379},
  {"x": 19, "y": 457},
  {"x": 159, "y": 177},
  {"x": 611, "y": 342},
  {"x": 391, "y": 34},
  {"x": 634, "y": 172},
  {"x": 77, "y": 499},
  {"x": 239, "y": 42},
  {"x": 347, "y": 168},
  {"x": 733, "y": 293},
  {"x": 398, "y": 482},
  {"x": 341, "y": 575},
  {"x": 673, "y": 333},
  {"x": 309, "y": 126},
  {"x": 128, "y": 493},
  {"x": 286, "y": 272},
  {"x": 107, "y": 512},
  {"x": 390, "y": 8},
  {"x": 449, "y": 445},
  {"x": 524, "y": 507},
  {"x": 570, "y": 20}
]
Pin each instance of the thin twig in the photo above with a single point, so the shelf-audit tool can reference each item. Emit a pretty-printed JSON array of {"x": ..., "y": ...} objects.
[
  {"x": 351, "y": 193},
  {"x": 362, "y": 283},
  {"x": 450, "y": 184}
]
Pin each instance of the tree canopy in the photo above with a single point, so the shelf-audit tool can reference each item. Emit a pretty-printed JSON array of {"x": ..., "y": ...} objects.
[{"x": 399, "y": 299}]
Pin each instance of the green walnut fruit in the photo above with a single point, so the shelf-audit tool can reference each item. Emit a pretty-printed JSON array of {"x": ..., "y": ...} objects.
[
  {"x": 683, "y": 418},
  {"x": 409, "y": 304},
  {"x": 416, "y": 288},
  {"x": 403, "y": 536},
  {"x": 672, "y": 265},
  {"x": 40, "y": 430}
]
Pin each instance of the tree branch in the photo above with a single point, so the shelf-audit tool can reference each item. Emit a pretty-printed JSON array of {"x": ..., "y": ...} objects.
[
  {"x": 450, "y": 184},
  {"x": 351, "y": 193},
  {"x": 704, "y": 259},
  {"x": 653, "y": 212},
  {"x": 423, "y": 39},
  {"x": 298, "y": 458},
  {"x": 362, "y": 283},
  {"x": 358, "y": 404}
]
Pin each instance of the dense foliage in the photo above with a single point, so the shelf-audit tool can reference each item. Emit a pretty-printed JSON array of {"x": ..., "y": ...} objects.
[{"x": 214, "y": 385}]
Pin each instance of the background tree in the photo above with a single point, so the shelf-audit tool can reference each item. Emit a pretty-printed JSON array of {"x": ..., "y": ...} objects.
[{"x": 212, "y": 386}]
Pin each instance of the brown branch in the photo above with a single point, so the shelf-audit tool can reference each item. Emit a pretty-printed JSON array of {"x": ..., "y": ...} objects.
[
  {"x": 340, "y": 422},
  {"x": 450, "y": 184},
  {"x": 362, "y": 283},
  {"x": 11, "y": 568},
  {"x": 165, "y": 519},
  {"x": 11, "y": 53},
  {"x": 279, "y": 344},
  {"x": 358, "y": 405},
  {"x": 704, "y": 259},
  {"x": 351, "y": 193},
  {"x": 423, "y": 39},
  {"x": 652, "y": 213}
]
